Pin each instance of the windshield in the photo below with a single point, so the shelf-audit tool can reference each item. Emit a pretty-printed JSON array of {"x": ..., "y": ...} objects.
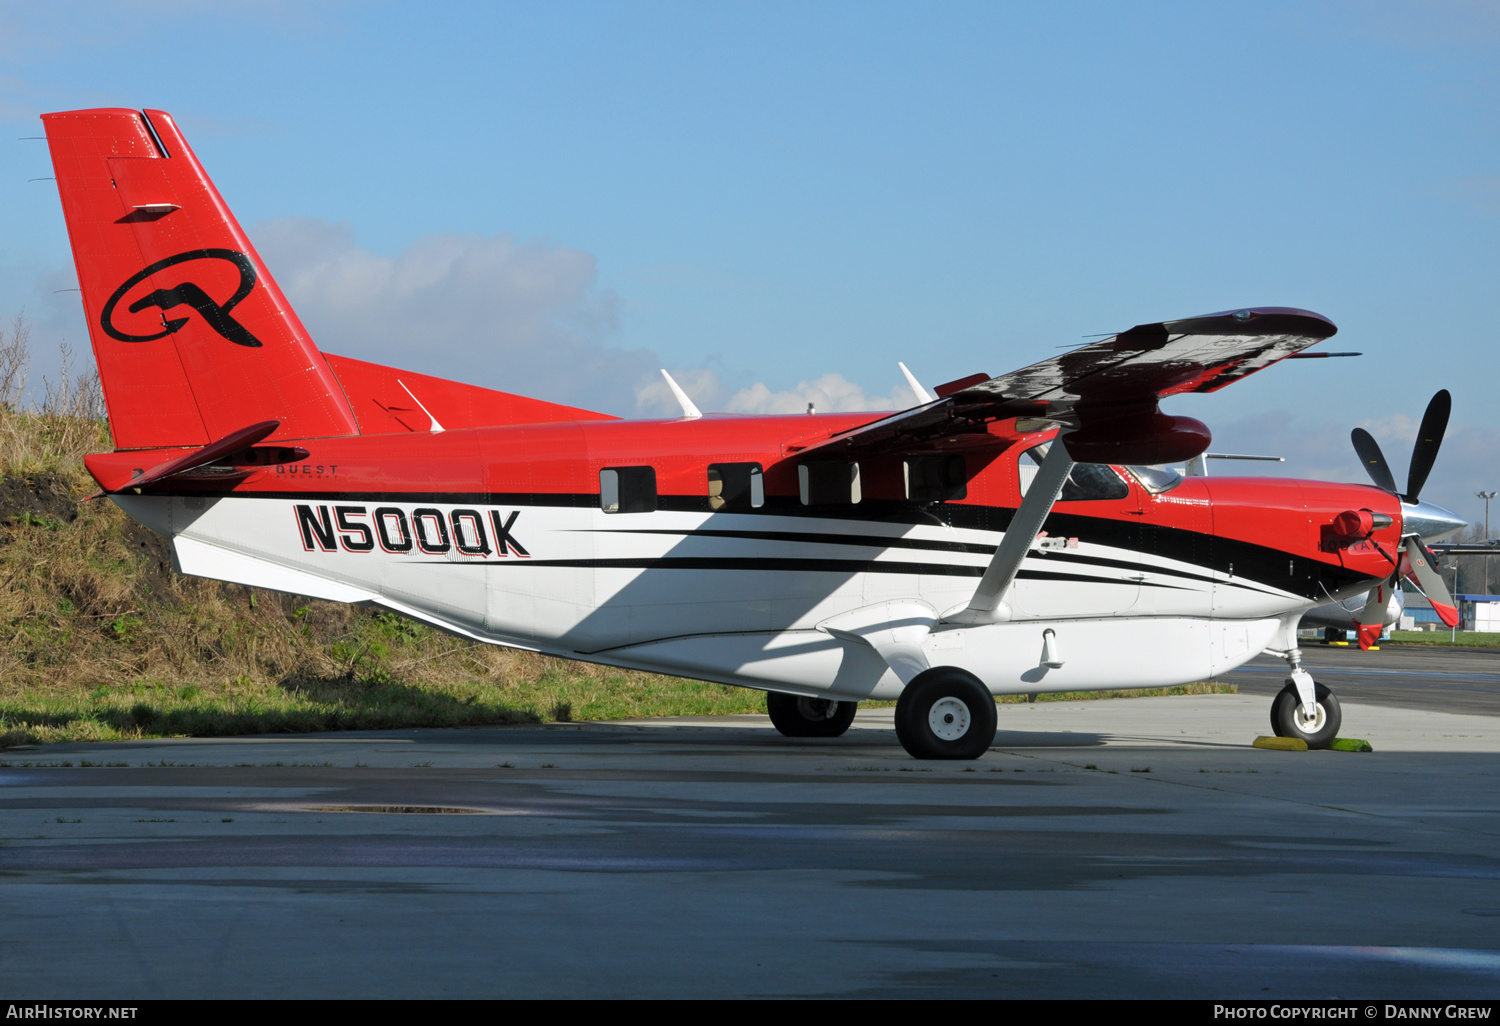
[{"x": 1156, "y": 479}]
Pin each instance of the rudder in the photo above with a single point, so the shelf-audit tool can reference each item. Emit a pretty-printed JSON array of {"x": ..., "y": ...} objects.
[{"x": 193, "y": 338}]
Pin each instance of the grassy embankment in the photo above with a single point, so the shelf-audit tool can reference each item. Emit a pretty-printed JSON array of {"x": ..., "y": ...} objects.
[{"x": 103, "y": 641}]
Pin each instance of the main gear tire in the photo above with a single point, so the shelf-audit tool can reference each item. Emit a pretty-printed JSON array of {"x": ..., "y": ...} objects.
[
  {"x": 1319, "y": 730},
  {"x": 945, "y": 713},
  {"x": 797, "y": 716}
]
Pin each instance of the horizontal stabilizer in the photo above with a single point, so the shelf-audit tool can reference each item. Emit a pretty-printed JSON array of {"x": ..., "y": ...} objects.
[{"x": 114, "y": 473}]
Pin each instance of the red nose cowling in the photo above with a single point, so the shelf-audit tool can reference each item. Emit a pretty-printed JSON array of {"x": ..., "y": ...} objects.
[{"x": 1347, "y": 536}]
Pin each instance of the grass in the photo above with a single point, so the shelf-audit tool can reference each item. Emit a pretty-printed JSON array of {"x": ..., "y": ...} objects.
[
  {"x": 1203, "y": 688},
  {"x": 1467, "y": 639}
]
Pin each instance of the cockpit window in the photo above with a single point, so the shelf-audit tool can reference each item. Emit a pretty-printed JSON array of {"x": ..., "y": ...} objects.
[
  {"x": 1156, "y": 479},
  {"x": 1085, "y": 481}
]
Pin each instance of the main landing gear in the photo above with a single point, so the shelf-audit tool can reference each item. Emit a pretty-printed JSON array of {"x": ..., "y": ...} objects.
[
  {"x": 945, "y": 713},
  {"x": 795, "y": 716},
  {"x": 1304, "y": 708}
]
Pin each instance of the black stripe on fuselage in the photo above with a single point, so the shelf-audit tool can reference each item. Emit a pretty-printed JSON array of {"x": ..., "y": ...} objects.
[
  {"x": 1236, "y": 561},
  {"x": 792, "y": 564},
  {"x": 883, "y": 542},
  {"x": 810, "y": 538}
]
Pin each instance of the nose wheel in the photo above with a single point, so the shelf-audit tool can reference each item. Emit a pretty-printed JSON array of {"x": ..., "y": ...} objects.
[
  {"x": 1290, "y": 719},
  {"x": 796, "y": 716}
]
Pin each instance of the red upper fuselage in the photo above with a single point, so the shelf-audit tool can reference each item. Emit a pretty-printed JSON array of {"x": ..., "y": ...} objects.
[{"x": 1274, "y": 531}]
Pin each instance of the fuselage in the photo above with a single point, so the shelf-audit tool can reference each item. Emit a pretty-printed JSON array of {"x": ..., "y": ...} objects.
[{"x": 719, "y": 562}]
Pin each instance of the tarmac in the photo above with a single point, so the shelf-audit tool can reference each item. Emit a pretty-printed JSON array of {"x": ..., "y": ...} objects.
[
  {"x": 1106, "y": 848},
  {"x": 1453, "y": 679}
]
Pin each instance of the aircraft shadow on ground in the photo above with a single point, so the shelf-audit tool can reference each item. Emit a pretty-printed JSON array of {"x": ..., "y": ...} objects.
[{"x": 1003, "y": 738}]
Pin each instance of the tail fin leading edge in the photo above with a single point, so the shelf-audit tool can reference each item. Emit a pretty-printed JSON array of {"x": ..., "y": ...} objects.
[{"x": 192, "y": 336}]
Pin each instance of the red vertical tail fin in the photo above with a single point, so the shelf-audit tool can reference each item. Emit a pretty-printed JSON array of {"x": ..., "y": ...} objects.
[{"x": 192, "y": 336}]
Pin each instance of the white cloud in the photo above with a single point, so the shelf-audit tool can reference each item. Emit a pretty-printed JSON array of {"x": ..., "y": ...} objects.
[
  {"x": 830, "y": 393},
  {"x": 521, "y": 317},
  {"x": 1397, "y": 427}
]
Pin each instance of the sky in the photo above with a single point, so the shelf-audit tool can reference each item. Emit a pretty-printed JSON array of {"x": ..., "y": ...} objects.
[{"x": 779, "y": 201}]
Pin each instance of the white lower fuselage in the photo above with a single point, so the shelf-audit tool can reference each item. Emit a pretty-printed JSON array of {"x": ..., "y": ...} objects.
[{"x": 738, "y": 598}]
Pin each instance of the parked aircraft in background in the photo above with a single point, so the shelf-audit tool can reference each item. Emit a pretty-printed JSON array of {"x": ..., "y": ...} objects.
[{"x": 1008, "y": 535}]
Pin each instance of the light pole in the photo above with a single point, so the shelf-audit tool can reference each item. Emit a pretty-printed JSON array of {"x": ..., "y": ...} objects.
[{"x": 1486, "y": 496}]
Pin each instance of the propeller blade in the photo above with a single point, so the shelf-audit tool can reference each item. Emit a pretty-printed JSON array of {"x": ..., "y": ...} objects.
[
  {"x": 1429, "y": 439},
  {"x": 1424, "y": 574},
  {"x": 1373, "y": 459},
  {"x": 1372, "y": 618}
]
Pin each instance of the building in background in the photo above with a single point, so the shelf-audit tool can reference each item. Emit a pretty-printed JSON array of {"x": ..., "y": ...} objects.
[{"x": 1479, "y": 613}]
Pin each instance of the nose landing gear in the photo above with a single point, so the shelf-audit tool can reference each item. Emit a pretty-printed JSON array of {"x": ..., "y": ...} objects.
[
  {"x": 1290, "y": 719},
  {"x": 1304, "y": 708}
]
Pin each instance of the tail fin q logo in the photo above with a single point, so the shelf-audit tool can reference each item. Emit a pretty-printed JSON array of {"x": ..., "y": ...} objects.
[{"x": 215, "y": 315}]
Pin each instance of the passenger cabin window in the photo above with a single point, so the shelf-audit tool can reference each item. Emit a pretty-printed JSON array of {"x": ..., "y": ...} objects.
[
  {"x": 627, "y": 490},
  {"x": 828, "y": 484},
  {"x": 1085, "y": 480},
  {"x": 736, "y": 486},
  {"x": 935, "y": 478}
]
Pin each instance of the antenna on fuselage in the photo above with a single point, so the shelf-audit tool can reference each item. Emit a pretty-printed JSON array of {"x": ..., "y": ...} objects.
[
  {"x": 689, "y": 411},
  {"x": 923, "y": 396},
  {"x": 1198, "y": 465},
  {"x": 436, "y": 427}
]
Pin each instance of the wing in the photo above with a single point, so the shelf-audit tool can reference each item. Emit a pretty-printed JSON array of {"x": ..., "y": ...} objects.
[{"x": 1091, "y": 386}]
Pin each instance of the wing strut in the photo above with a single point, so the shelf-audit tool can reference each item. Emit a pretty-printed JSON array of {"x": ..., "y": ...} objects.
[{"x": 988, "y": 604}]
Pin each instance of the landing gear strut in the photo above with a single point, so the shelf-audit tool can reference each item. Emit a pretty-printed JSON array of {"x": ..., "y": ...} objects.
[
  {"x": 1304, "y": 708},
  {"x": 796, "y": 716}
]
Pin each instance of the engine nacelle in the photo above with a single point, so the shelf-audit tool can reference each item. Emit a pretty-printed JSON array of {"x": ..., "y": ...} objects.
[{"x": 1135, "y": 434}]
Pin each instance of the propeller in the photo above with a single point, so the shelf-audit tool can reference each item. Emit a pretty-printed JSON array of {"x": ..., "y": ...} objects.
[
  {"x": 1423, "y": 454},
  {"x": 1415, "y": 561},
  {"x": 1429, "y": 440}
]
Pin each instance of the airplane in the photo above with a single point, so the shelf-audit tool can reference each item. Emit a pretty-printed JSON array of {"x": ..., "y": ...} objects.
[{"x": 1008, "y": 535}]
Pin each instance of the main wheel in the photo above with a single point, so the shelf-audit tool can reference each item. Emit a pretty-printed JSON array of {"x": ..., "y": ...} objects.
[
  {"x": 945, "y": 713},
  {"x": 1319, "y": 730},
  {"x": 1332, "y": 634},
  {"x": 795, "y": 716}
]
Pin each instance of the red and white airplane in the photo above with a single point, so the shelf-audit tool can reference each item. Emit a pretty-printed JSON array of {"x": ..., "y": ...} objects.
[{"x": 938, "y": 556}]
